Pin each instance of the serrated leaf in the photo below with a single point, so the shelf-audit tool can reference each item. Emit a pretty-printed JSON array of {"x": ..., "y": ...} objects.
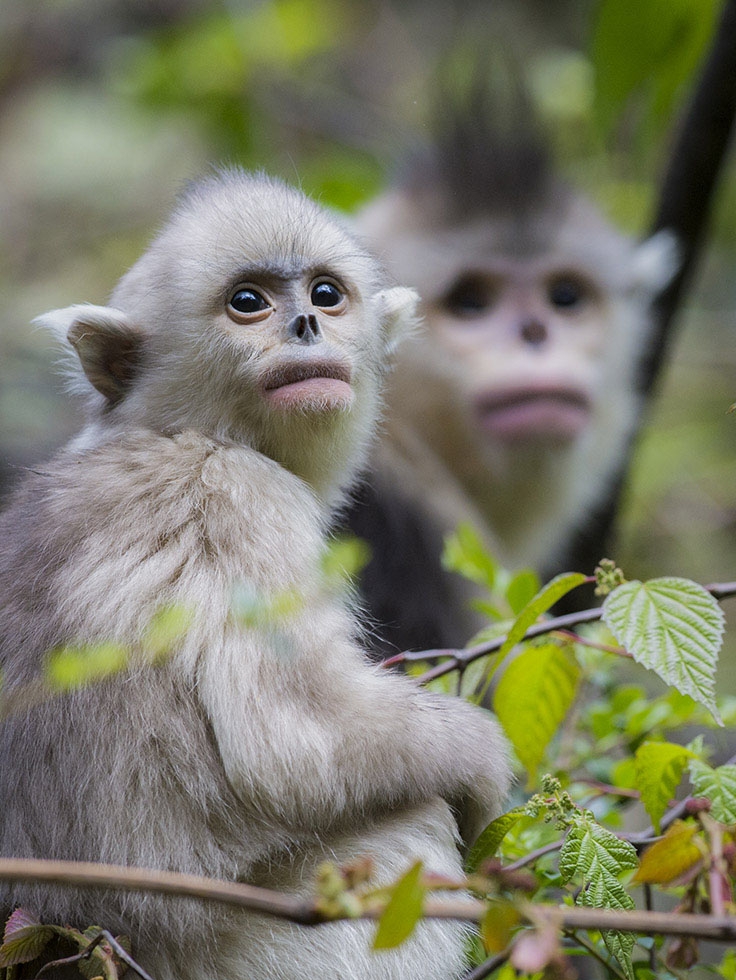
[
  {"x": 497, "y": 925},
  {"x": 590, "y": 849},
  {"x": 19, "y": 919},
  {"x": 544, "y": 600},
  {"x": 72, "y": 667},
  {"x": 719, "y": 786},
  {"x": 465, "y": 553},
  {"x": 487, "y": 844},
  {"x": 403, "y": 910},
  {"x": 658, "y": 767},
  {"x": 25, "y": 939},
  {"x": 521, "y": 589},
  {"x": 605, "y": 892},
  {"x": 671, "y": 856},
  {"x": 532, "y": 698},
  {"x": 596, "y": 857},
  {"x": 672, "y": 626}
]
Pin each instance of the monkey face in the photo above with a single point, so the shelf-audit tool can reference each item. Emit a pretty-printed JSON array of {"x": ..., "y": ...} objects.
[
  {"x": 255, "y": 317},
  {"x": 299, "y": 324},
  {"x": 529, "y": 337}
]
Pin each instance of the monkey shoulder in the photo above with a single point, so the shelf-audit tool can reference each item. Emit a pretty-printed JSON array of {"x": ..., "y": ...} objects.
[{"x": 102, "y": 536}]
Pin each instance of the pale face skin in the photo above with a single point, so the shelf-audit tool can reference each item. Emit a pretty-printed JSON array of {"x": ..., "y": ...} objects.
[
  {"x": 529, "y": 335},
  {"x": 519, "y": 396}
]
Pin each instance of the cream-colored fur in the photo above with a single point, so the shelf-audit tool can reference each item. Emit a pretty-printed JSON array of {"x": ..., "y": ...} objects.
[
  {"x": 254, "y": 752},
  {"x": 526, "y": 498}
]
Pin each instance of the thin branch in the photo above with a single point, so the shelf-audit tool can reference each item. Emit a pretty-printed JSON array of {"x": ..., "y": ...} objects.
[
  {"x": 88, "y": 875},
  {"x": 123, "y": 955},
  {"x": 459, "y": 659},
  {"x": 715, "y": 928},
  {"x": 71, "y": 873},
  {"x": 487, "y": 967},
  {"x": 593, "y": 951},
  {"x": 532, "y": 856}
]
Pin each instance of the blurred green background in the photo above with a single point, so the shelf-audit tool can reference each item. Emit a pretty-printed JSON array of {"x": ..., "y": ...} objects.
[{"x": 108, "y": 106}]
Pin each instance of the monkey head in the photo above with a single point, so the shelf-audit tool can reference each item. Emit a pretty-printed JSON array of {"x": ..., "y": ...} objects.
[
  {"x": 533, "y": 322},
  {"x": 522, "y": 389},
  {"x": 254, "y": 317}
]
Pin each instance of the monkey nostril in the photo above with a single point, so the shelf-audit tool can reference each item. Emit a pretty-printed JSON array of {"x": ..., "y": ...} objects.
[
  {"x": 305, "y": 329},
  {"x": 533, "y": 332}
]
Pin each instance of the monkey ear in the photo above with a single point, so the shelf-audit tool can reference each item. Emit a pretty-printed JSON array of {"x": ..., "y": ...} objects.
[
  {"x": 656, "y": 261},
  {"x": 107, "y": 343},
  {"x": 396, "y": 309}
]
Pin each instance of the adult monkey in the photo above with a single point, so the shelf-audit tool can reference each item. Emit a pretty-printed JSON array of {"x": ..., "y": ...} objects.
[
  {"x": 232, "y": 387},
  {"x": 549, "y": 329}
]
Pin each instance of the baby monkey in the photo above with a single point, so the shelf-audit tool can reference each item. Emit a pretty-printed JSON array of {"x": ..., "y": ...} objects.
[{"x": 233, "y": 386}]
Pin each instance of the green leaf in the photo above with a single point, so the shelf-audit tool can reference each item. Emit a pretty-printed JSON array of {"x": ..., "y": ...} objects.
[
  {"x": 73, "y": 667},
  {"x": 727, "y": 966},
  {"x": 521, "y": 589},
  {"x": 659, "y": 767},
  {"x": 498, "y": 924},
  {"x": 656, "y": 45},
  {"x": 25, "y": 939},
  {"x": 532, "y": 698},
  {"x": 465, "y": 553},
  {"x": 671, "y": 856},
  {"x": 608, "y": 893},
  {"x": 255, "y": 610},
  {"x": 344, "y": 558},
  {"x": 594, "y": 856},
  {"x": 673, "y": 627},
  {"x": 487, "y": 844},
  {"x": 403, "y": 911},
  {"x": 590, "y": 850},
  {"x": 166, "y": 630},
  {"x": 544, "y": 600},
  {"x": 719, "y": 786}
]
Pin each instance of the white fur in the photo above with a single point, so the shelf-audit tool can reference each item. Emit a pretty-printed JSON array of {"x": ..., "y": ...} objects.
[{"x": 258, "y": 750}]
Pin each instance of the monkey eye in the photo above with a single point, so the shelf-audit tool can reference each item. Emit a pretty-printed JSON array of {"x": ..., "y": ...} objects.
[
  {"x": 470, "y": 296},
  {"x": 249, "y": 301},
  {"x": 326, "y": 295},
  {"x": 566, "y": 293}
]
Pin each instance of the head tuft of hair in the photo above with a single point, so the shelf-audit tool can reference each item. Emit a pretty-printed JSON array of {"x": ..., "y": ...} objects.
[{"x": 486, "y": 154}]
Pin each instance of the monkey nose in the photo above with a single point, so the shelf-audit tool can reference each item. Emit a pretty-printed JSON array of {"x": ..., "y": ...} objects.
[
  {"x": 533, "y": 332},
  {"x": 304, "y": 329}
]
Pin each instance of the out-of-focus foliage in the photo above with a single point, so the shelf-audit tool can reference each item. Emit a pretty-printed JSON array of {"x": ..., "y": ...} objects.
[
  {"x": 107, "y": 107},
  {"x": 650, "y": 49}
]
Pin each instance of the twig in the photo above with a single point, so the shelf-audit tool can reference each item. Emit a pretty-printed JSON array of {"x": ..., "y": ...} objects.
[
  {"x": 532, "y": 856},
  {"x": 605, "y": 788},
  {"x": 71, "y": 873},
  {"x": 488, "y": 966},
  {"x": 593, "y": 951},
  {"x": 76, "y": 958},
  {"x": 124, "y": 956},
  {"x": 459, "y": 659}
]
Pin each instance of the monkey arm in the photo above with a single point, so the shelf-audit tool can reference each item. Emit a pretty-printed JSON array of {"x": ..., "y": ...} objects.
[{"x": 336, "y": 740}]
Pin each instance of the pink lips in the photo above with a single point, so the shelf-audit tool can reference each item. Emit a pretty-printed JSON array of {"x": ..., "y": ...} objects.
[
  {"x": 319, "y": 386},
  {"x": 529, "y": 414}
]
